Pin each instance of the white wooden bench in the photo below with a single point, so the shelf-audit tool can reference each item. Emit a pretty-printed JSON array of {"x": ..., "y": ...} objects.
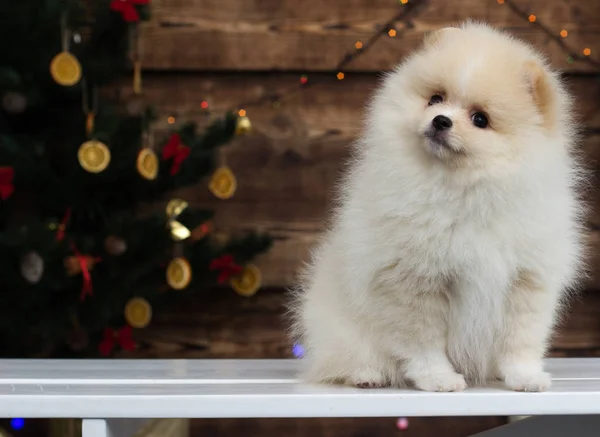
[{"x": 113, "y": 397}]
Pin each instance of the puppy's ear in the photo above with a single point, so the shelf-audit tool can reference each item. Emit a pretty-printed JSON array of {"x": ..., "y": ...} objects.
[
  {"x": 541, "y": 89},
  {"x": 436, "y": 36}
]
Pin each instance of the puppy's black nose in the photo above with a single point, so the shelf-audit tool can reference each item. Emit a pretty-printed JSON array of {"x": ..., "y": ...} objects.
[{"x": 441, "y": 122}]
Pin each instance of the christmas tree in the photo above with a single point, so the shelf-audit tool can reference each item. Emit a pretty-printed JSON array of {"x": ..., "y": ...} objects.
[{"x": 86, "y": 255}]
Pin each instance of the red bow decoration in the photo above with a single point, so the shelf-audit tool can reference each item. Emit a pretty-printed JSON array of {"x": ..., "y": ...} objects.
[
  {"x": 85, "y": 264},
  {"x": 124, "y": 337},
  {"x": 6, "y": 182},
  {"x": 174, "y": 149},
  {"x": 127, "y": 9},
  {"x": 227, "y": 268}
]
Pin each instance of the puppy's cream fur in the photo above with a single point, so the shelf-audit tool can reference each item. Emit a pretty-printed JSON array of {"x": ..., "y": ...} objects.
[{"x": 448, "y": 265}]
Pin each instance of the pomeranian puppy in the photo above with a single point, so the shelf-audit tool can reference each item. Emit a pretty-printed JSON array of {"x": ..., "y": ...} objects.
[{"x": 458, "y": 231}]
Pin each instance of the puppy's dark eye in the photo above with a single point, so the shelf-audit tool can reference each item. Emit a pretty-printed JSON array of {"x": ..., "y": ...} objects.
[
  {"x": 479, "y": 120},
  {"x": 436, "y": 98}
]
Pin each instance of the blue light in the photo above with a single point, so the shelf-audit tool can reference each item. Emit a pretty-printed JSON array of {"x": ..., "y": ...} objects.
[
  {"x": 298, "y": 350},
  {"x": 17, "y": 424}
]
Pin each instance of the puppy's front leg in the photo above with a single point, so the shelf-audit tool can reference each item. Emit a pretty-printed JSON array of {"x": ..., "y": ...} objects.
[
  {"x": 420, "y": 343},
  {"x": 530, "y": 316}
]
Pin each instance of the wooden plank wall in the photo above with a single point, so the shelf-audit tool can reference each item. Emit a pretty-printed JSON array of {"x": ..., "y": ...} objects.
[{"x": 231, "y": 51}]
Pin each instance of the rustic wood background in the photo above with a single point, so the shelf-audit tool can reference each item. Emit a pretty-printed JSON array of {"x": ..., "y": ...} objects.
[{"x": 229, "y": 51}]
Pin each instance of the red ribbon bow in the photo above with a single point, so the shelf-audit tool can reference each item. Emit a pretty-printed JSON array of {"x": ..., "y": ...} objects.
[
  {"x": 124, "y": 337},
  {"x": 127, "y": 9},
  {"x": 86, "y": 289},
  {"x": 6, "y": 182},
  {"x": 227, "y": 268},
  {"x": 174, "y": 149}
]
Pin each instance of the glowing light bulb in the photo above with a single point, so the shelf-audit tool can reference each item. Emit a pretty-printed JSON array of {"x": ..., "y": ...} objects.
[
  {"x": 204, "y": 104},
  {"x": 340, "y": 75},
  {"x": 17, "y": 423},
  {"x": 298, "y": 350},
  {"x": 402, "y": 423},
  {"x": 403, "y": 1},
  {"x": 500, "y": 2},
  {"x": 304, "y": 79},
  {"x": 587, "y": 51},
  {"x": 564, "y": 33},
  {"x": 392, "y": 32},
  {"x": 242, "y": 112},
  {"x": 532, "y": 18},
  {"x": 171, "y": 120},
  {"x": 358, "y": 45}
]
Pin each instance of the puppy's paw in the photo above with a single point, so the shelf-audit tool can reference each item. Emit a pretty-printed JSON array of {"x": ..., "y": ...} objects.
[
  {"x": 368, "y": 378},
  {"x": 530, "y": 382},
  {"x": 441, "y": 382}
]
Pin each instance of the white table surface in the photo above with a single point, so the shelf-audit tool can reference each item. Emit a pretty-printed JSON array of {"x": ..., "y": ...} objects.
[{"x": 261, "y": 388}]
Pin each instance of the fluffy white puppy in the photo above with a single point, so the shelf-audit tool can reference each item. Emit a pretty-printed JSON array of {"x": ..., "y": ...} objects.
[{"x": 458, "y": 229}]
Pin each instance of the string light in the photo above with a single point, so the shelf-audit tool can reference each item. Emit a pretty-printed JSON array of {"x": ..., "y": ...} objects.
[
  {"x": 304, "y": 79},
  {"x": 408, "y": 12},
  {"x": 358, "y": 45},
  {"x": 17, "y": 423},
  {"x": 204, "y": 104},
  {"x": 298, "y": 350},
  {"x": 572, "y": 56},
  {"x": 402, "y": 423},
  {"x": 171, "y": 120},
  {"x": 392, "y": 32},
  {"x": 242, "y": 112}
]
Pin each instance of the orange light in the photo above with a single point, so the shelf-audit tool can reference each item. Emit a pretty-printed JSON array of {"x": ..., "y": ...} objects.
[
  {"x": 403, "y": 1},
  {"x": 392, "y": 32},
  {"x": 587, "y": 51},
  {"x": 532, "y": 18},
  {"x": 242, "y": 112},
  {"x": 358, "y": 45},
  {"x": 204, "y": 104},
  {"x": 564, "y": 33},
  {"x": 340, "y": 75},
  {"x": 171, "y": 120},
  {"x": 500, "y": 2}
]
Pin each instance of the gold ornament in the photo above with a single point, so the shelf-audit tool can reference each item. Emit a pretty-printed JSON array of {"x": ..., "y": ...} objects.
[
  {"x": 178, "y": 231},
  {"x": 147, "y": 163},
  {"x": 248, "y": 282},
  {"x": 65, "y": 69},
  {"x": 175, "y": 207},
  {"x": 223, "y": 183},
  {"x": 93, "y": 156},
  {"x": 179, "y": 273},
  {"x": 243, "y": 125},
  {"x": 138, "y": 312}
]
